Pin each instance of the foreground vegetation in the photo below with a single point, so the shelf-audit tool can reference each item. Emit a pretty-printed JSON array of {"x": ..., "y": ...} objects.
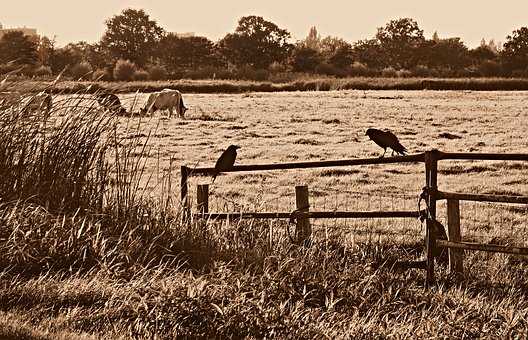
[{"x": 86, "y": 252}]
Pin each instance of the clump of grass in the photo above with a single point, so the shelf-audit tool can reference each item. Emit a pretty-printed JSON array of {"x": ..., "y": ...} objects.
[{"x": 306, "y": 141}]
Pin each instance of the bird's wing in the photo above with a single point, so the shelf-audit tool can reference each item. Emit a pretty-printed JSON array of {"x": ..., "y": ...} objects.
[{"x": 394, "y": 142}]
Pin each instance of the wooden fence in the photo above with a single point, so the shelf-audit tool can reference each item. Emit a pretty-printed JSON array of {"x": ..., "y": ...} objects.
[{"x": 431, "y": 194}]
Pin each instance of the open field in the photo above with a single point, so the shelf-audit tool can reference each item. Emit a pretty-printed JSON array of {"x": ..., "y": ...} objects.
[{"x": 245, "y": 279}]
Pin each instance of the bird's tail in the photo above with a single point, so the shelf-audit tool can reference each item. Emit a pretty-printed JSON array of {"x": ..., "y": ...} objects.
[
  {"x": 401, "y": 149},
  {"x": 214, "y": 176}
]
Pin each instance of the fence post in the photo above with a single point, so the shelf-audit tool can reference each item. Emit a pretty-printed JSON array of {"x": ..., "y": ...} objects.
[
  {"x": 202, "y": 198},
  {"x": 184, "y": 190},
  {"x": 456, "y": 256},
  {"x": 303, "y": 228},
  {"x": 431, "y": 168}
]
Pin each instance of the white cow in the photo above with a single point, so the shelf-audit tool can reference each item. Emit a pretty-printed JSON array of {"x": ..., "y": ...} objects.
[{"x": 165, "y": 100}]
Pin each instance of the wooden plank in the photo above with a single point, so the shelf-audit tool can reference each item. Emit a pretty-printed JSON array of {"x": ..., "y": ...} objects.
[
  {"x": 311, "y": 214},
  {"x": 315, "y": 164},
  {"x": 431, "y": 174},
  {"x": 482, "y": 197},
  {"x": 456, "y": 256},
  {"x": 303, "y": 227},
  {"x": 184, "y": 190},
  {"x": 202, "y": 198},
  {"x": 483, "y": 156},
  {"x": 493, "y": 248}
]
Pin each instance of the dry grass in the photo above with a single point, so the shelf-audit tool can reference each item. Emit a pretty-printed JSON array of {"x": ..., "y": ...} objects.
[{"x": 128, "y": 267}]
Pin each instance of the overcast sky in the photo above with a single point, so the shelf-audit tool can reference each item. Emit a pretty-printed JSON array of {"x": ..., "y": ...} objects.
[{"x": 75, "y": 20}]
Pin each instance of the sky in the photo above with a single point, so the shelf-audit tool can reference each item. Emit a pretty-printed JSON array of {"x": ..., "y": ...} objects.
[{"x": 83, "y": 20}]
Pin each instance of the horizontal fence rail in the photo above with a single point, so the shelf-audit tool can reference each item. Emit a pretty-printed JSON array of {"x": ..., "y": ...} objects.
[
  {"x": 441, "y": 195},
  {"x": 311, "y": 214},
  {"x": 315, "y": 164},
  {"x": 493, "y": 248},
  {"x": 439, "y": 155}
]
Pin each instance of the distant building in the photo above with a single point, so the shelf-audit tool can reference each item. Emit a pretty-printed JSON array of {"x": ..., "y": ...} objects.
[
  {"x": 30, "y": 32},
  {"x": 184, "y": 35}
]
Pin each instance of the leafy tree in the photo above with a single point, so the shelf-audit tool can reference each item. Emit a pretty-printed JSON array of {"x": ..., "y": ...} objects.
[
  {"x": 313, "y": 39},
  {"x": 482, "y": 53},
  {"x": 189, "y": 52},
  {"x": 45, "y": 50},
  {"x": 131, "y": 36},
  {"x": 256, "y": 42},
  {"x": 514, "y": 54},
  {"x": 369, "y": 52},
  {"x": 18, "y": 48},
  {"x": 399, "y": 41},
  {"x": 305, "y": 59},
  {"x": 449, "y": 53}
]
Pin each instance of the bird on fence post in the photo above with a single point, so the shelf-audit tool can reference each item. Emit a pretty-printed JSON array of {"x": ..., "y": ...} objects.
[
  {"x": 226, "y": 160},
  {"x": 386, "y": 139}
]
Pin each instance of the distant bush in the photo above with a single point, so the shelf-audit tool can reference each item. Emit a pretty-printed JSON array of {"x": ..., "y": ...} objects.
[
  {"x": 276, "y": 67},
  {"x": 42, "y": 71},
  {"x": 141, "y": 75},
  {"x": 389, "y": 72},
  {"x": 81, "y": 71},
  {"x": 358, "y": 69},
  {"x": 157, "y": 72},
  {"x": 249, "y": 73},
  {"x": 490, "y": 68},
  {"x": 403, "y": 73},
  {"x": 422, "y": 71},
  {"x": 124, "y": 70},
  {"x": 103, "y": 75}
]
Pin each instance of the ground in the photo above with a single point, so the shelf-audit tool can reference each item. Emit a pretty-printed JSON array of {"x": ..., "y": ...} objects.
[{"x": 259, "y": 285}]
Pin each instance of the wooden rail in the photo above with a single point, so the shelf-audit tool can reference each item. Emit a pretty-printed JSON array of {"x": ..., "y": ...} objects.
[
  {"x": 310, "y": 214},
  {"x": 494, "y": 248},
  {"x": 316, "y": 164},
  {"x": 441, "y": 195}
]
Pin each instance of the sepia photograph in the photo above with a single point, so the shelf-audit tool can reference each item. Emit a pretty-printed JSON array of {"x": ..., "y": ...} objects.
[{"x": 263, "y": 169}]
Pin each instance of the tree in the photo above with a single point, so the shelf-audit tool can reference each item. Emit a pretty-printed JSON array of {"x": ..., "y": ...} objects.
[
  {"x": 305, "y": 59},
  {"x": 369, "y": 52},
  {"x": 399, "y": 41},
  {"x": 514, "y": 54},
  {"x": 188, "y": 52},
  {"x": 45, "y": 50},
  {"x": 449, "y": 53},
  {"x": 256, "y": 42},
  {"x": 131, "y": 36},
  {"x": 313, "y": 39},
  {"x": 18, "y": 48}
]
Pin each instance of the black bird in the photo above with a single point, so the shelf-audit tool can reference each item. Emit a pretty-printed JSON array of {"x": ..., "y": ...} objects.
[
  {"x": 226, "y": 160},
  {"x": 386, "y": 139}
]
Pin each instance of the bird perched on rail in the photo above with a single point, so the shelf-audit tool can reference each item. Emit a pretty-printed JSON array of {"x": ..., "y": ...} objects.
[
  {"x": 226, "y": 160},
  {"x": 386, "y": 139}
]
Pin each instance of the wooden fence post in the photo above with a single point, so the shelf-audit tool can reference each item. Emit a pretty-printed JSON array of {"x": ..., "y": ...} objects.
[
  {"x": 456, "y": 256},
  {"x": 202, "y": 198},
  {"x": 431, "y": 168},
  {"x": 303, "y": 228},
  {"x": 184, "y": 190}
]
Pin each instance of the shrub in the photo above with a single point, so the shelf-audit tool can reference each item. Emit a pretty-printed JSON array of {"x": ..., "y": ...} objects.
[
  {"x": 124, "y": 70},
  {"x": 141, "y": 75},
  {"x": 277, "y": 67},
  {"x": 389, "y": 72},
  {"x": 157, "y": 72},
  {"x": 81, "y": 71},
  {"x": 358, "y": 69},
  {"x": 101, "y": 74},
  {"x": 42, "y": 71},
  {"x": 403, "y": 73},
  {"x": 490, "y": 68},
  {"x": 422, "y": 71},
  {"x": 249, "y": 73}
]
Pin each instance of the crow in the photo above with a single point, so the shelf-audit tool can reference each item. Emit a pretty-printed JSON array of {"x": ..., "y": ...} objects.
[
  {"x": 226, "y": 160},
  {"x": 386, "y": 139}
]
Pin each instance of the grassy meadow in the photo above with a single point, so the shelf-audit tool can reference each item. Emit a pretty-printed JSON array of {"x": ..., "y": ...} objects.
[{"x": 92, "y": 244}]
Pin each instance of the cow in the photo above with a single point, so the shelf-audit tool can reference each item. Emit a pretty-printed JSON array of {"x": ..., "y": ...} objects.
[
  {"x": 40, "y": 102},
  {"x": 111, "y": 102},
  {"x": 165, "y": 100}
]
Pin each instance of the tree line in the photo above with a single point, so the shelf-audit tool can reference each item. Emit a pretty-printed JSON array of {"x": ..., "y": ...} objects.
[{"x": 135, "y": 47}]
